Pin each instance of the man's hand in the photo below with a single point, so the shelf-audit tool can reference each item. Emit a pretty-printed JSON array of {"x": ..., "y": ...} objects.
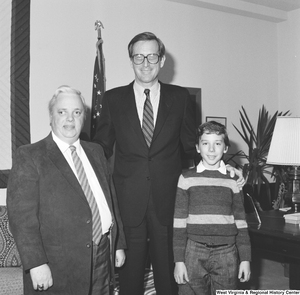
[
  {"x": 41, "y": 277},
  {"x": 241, "y": 180},
  {"x": 120, "y": 258}
]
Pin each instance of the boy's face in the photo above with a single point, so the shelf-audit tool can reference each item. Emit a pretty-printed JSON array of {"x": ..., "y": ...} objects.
[{"x": 211, "y": 147}]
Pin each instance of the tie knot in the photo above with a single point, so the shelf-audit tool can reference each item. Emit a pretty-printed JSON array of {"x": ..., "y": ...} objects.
[
  {"x": 147, "y": 91},
  {"x": 72, "y": 148}
]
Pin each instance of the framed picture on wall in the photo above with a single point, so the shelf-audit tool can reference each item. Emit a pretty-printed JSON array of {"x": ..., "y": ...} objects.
[
  {"x": 222, "y": 120},
  {"x": 195, "y": 94}
]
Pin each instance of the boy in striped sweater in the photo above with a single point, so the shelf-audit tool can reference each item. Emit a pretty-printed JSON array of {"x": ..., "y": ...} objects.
[{"x": 211, "y": 242}]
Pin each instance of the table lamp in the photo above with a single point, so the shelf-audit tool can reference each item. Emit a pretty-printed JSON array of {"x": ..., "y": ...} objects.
[{"x": 285, "y": 151}]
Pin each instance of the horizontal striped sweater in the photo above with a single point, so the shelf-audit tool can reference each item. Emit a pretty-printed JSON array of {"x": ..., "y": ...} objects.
[{"x": 209, "y": 209}]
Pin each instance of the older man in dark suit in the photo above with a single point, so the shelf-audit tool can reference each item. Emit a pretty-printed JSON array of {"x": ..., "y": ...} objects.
[
  {"x": 62, "y": 207},
  {"x": 150, "y": 123}
]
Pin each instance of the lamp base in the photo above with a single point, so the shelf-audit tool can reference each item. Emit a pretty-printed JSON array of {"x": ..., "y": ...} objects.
[
  {"x": 294, "y": 209},
  {"x": 293, "y": 194}
]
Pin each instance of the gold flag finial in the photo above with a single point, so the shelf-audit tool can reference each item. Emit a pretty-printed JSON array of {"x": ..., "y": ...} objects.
[{"x": 98, "y": 26}]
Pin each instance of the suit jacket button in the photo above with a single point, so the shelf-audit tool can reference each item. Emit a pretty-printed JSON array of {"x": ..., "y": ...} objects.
[
  {"x": 88, "y": 221},
  {"x": 88, "y": 245}
]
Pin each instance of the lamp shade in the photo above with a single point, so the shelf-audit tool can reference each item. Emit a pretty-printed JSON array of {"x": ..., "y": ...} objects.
[{"x": 285, "y": 143}]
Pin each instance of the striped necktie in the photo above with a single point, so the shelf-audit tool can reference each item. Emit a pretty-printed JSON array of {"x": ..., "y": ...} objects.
[
  {"x": 97, "y": 227},
  {"x": 148, "y": 122}
]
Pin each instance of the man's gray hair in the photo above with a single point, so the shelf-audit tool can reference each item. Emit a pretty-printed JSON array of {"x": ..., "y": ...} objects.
[{"x": 65, "y": 89}]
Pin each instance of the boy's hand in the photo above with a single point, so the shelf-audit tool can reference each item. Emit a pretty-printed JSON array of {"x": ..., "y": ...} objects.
[
  {"x": 180, "y": 273},
  {"x": 120, "y": 258},
  {"x": 244, "y": 271},
  {"x": 233, "y": 171}
]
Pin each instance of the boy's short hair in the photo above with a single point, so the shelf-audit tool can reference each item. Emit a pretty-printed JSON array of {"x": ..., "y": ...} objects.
[{"x": 213, "y": 127}]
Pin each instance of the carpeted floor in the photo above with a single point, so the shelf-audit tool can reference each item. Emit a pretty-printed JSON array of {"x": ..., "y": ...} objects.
[{"x": 267, "y": 273}]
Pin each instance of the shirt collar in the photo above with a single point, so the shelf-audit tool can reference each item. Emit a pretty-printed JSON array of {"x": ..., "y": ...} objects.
[
  {"x": 221, "y": 169},
  {"x": 63, "y": 146},
  {"x": 154, "y": 89}
]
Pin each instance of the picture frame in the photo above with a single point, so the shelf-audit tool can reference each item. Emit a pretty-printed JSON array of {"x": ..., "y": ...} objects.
[
  {"x": 195, "y": 95},
  {"x": 221, "y": 120}
]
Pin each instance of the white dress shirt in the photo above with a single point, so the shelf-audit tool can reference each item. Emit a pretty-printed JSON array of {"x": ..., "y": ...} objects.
[
  {"x": 106, "y": 218},
  {"x": 140, "y": 99}
]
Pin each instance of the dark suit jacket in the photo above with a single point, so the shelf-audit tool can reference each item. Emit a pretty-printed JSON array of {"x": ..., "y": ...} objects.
[
  {"x": 50, "y": 217},
  {"x": 138, "y": 170}
]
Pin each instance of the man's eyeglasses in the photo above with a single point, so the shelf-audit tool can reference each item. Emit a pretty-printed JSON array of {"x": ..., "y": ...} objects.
[{"x": 152, "y": 58}]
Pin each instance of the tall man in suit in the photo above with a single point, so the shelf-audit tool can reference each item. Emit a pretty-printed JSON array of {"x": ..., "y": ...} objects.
[
  {"x": 53, "y": 197},
  {"x": 147, "y": 166}
]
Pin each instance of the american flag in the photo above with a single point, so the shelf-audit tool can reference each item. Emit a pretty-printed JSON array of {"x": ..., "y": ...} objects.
[{"x": 98, "y": 83}]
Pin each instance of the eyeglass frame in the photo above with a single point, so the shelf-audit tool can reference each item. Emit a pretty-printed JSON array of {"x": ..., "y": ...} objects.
[{"x": 146, "y": 57}]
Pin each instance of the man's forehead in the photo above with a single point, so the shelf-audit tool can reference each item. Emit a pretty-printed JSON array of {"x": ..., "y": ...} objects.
[
  {"x": 69, "y": 99},
  {"x": 145, "y": 45}
]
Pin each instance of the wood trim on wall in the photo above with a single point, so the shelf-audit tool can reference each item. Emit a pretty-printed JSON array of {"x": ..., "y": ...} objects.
[{"x": 19, "y": 79}]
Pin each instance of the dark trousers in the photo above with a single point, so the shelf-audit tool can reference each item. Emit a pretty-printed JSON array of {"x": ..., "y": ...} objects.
[
  {"x": 161, "y": 255},
  {"x": 101, "y": 268}
]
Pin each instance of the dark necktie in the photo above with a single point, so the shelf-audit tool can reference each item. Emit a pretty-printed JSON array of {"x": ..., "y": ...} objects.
[
  {"x": 97, "y": 227},
  {"x": 148, "y": 122}
]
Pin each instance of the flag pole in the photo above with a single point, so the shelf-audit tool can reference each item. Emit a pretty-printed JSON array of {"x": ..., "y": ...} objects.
[{"x": 98, "y": 26}]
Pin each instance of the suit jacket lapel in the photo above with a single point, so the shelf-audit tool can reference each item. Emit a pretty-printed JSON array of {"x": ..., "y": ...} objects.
[
  {"x": 165, "y": 103},
  {"x": 62, "y": 165},
  {"x": 132, "y": 114},
  {"x": 93, "y": 156}
]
